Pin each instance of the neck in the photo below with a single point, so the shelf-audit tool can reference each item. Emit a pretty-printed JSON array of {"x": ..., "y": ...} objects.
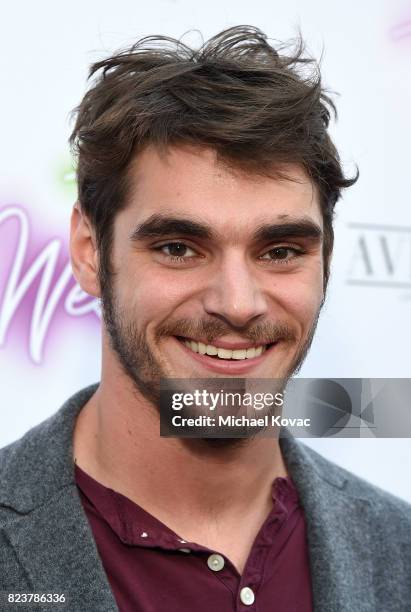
[{"x": 117, "y": 442}]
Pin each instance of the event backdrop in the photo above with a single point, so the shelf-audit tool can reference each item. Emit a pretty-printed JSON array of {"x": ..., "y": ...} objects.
[{"x": 50, "y": 330}]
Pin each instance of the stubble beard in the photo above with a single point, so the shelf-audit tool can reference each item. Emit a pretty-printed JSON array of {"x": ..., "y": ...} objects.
[{"x": 144, "y": 371}]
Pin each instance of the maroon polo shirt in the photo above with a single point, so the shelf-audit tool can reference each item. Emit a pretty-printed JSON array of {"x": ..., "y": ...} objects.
[{"x": 152, "y": 569}]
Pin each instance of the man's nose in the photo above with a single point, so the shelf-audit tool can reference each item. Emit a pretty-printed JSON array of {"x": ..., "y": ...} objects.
[{"x": 234, "y": 292}]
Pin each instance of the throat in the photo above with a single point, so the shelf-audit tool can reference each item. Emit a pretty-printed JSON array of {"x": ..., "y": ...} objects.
[{"x": 232, "y": 536}]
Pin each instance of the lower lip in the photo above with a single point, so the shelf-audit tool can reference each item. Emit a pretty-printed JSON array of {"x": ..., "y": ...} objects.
[{"x": 225, "y": 366}]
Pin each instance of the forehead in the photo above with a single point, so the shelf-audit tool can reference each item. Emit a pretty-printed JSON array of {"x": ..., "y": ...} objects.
[{"x": 190, "y": 182}]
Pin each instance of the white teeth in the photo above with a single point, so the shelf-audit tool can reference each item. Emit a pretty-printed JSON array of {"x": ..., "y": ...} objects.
[
  {"x": 224, "y": 353},
  {"x": 238, "y": 354},
  {"x": 211, "y": 350},
  {"x": 202, "y": 348}
]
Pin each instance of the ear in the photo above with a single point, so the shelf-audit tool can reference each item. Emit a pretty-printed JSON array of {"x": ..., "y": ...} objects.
[{"x": 83, "y": 252}]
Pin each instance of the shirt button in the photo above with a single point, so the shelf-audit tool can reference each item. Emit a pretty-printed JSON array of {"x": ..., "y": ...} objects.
[
  {"x": 215, "y": 562},
  {"x": 247, "y": 596}
]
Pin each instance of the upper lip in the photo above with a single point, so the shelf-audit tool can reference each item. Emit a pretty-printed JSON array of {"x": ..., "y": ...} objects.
[{"x": 226, "y": 344}]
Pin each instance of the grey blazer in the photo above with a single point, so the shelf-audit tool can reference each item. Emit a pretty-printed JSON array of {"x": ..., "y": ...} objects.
[{"x": 359, "y": 536}]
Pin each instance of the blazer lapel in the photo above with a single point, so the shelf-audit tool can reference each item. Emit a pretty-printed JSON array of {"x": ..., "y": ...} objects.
[
  {"x": 340, "y": 553},
  {"x": 338, "y": 532},
  {"x": 55, "y": 545}
]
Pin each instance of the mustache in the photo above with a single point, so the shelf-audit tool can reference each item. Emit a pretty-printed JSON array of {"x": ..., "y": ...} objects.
[{"x": 263, "y": 333}]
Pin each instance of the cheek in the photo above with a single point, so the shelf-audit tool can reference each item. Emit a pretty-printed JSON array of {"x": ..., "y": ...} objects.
[
  {"x": 300, "y": 296},
  {"x": 150, "y": 296}
]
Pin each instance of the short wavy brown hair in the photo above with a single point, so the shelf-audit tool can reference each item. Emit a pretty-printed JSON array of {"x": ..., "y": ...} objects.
[{"x": 258, "y": 106}]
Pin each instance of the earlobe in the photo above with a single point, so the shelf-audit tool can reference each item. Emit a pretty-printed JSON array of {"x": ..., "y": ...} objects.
[{"x": 83, "y": 252}]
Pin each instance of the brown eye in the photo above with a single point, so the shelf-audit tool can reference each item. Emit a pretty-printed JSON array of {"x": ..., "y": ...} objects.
[
  {"x": 279, "y": 253},
  {"x": 176, "y": 249}
]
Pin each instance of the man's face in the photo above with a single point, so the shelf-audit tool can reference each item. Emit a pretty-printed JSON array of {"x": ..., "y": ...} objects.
[{"x": 209, "y": 261}]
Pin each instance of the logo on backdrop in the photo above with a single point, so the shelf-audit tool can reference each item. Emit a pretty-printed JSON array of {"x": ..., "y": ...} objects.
[
  {"x": 36, "y": 282},
  {"x": 381, "y": 256}
]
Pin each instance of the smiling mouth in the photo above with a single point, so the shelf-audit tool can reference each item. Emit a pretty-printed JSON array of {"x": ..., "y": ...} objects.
[{"x": 223, "y": 353}]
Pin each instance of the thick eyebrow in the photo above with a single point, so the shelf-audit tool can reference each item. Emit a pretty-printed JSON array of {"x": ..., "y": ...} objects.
[
  {"x": 300, "y": 228},
  {"x": 159, "y": 226}
]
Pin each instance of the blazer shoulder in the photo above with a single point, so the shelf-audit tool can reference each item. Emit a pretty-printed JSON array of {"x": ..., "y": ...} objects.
[
  {"x": 356, "y": 486},
  {"x": 38, "y": 464}
]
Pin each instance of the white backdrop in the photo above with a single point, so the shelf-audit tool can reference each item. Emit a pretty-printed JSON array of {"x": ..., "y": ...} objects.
[{"x": 49, "y": 332}]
